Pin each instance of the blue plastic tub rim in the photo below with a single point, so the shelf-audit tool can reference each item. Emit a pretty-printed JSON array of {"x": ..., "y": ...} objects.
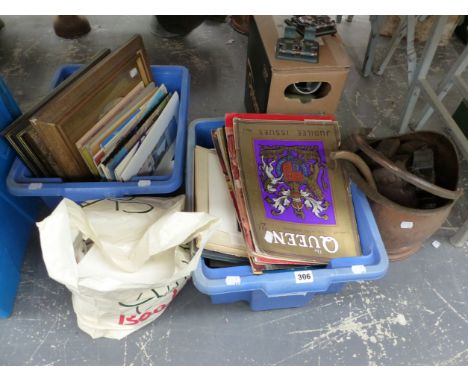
[
  {"x": 371, "y": 265},
  {"x": 21, "y": 183},
  {"x": 282, "y": 283}
]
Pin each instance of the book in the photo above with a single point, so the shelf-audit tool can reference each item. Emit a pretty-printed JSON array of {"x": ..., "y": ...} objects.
[
  {"x": 93, "y": 146},
  {"x": 212, "y": 196},
  {"x": 125, "y": 146},
  {"x": 220, "y": 145},
  {"x": 121, "y": 130},
  {"x": 118, "y": 107},
  {"x": 161, "y": 160},
  {"x": 259, "y": 264},
  {"x": 143, "y": 111},
  {"x": 133, "y": 162},
  {"x": 294, "y": 207},
  {"x": 220, "y": 260}
]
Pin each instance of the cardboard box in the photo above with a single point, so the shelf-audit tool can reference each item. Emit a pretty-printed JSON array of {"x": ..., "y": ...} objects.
[{"x": 270, "y": 81}]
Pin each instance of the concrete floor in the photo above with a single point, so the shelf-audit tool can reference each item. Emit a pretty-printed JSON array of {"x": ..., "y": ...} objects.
[{"x": 416, "y": 315}]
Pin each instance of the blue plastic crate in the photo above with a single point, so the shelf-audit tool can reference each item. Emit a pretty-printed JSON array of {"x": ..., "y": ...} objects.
[
  {"x": 278, "y": 289},
  {"x": 20, "y": 181},
  {"x": 17, "y": 215}
]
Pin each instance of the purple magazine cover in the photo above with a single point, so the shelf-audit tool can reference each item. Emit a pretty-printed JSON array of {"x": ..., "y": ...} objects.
[{"x": 294, "y": 182}]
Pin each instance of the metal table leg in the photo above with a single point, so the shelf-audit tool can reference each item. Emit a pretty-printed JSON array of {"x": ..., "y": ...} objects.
[
  {"x": 451, "y": 126},
  {"x": 421, "y": 71},
  {"x": 447, "y": 83},
  {"x": 394, "y": 43},
  {"x": 376, "y": 23},
  {"x": 410, "y": 51}
]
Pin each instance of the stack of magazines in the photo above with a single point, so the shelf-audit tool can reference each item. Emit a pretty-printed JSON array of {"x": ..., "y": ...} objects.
[
  {"x": 282, "y": 202},
  {"x": 106, "y": 121}
]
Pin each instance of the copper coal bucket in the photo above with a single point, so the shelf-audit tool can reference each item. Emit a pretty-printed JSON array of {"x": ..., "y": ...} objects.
[{"x": 404, "y": 224}]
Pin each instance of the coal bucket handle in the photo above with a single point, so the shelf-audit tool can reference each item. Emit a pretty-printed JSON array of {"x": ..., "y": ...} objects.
[
  {"x": 405, "y": 175},
  {"x": 358, "y": 162}
]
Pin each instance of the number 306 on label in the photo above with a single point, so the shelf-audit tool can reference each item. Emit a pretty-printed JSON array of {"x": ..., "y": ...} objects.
[{"x": 304, "y": 277}]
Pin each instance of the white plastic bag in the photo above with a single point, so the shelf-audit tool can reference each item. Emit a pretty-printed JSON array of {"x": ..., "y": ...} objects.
[{"x": 122, "y": 258}]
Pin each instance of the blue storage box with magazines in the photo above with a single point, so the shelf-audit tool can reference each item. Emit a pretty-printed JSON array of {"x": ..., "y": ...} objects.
[
  {"x": 285, "y": 288},
  {"x": 17, "y": 215},
  {"x": 52, "y": 190}
]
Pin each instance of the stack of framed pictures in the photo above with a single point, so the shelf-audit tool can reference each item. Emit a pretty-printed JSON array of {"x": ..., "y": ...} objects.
[{"x": 105, "y": 121}]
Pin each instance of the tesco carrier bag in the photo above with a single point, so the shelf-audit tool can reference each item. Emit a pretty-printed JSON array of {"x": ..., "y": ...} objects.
[{"x": 123, "y": 259}]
